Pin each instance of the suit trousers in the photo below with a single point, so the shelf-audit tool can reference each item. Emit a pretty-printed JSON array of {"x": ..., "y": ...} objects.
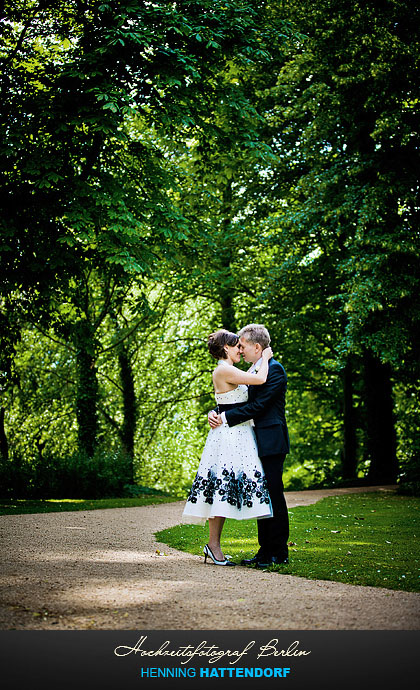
[{"x": 273, "y": 533}]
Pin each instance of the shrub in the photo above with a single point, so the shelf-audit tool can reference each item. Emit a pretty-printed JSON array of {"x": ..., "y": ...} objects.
[{"x": 75, "y": 476}]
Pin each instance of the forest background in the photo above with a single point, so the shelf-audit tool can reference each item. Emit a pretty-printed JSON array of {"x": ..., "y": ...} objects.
[{"x": 169, "y": 168}]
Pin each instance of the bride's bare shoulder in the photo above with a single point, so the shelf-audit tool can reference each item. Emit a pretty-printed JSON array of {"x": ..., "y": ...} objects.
[{"x": 219, "y": 371}]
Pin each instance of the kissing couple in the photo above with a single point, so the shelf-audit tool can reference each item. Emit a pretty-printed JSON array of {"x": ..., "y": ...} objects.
[{"x": 241, "y": 467}]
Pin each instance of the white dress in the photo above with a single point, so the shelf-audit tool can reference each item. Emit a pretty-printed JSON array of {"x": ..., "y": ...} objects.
[{"x": 230, "y": 480}]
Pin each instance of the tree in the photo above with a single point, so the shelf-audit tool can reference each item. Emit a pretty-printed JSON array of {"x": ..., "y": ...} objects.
[
  {"x": 342, "y": 117},
  {"x": 84, "y": 190}
]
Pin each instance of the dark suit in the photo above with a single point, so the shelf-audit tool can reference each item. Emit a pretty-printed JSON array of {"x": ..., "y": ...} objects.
[{"x": 266, "y": 406}]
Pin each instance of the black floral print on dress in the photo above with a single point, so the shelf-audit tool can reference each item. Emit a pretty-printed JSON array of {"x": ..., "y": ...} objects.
[{"x": 238, "y": 490}]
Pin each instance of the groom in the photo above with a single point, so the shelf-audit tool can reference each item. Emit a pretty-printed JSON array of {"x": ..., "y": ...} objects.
[{"x": 266, "y": 406}]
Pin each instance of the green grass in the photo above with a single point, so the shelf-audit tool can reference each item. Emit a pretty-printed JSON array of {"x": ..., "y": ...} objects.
[
  {"x": 361, "y": 539},
  {"x": 54, "y": 505}
]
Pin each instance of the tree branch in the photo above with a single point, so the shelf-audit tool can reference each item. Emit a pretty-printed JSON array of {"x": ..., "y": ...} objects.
[
  {"x": 170, "y": 400},
  {"x": 114, "y": 383},
  {"x": 47, "y": 335}
]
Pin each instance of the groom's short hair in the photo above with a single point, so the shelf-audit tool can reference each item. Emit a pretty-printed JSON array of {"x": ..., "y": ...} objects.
[{"x": 256, "y": 333}]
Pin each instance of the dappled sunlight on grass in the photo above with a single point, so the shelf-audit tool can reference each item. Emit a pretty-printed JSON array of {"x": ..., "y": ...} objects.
[
  {"x": 242, "y": 542},
  {"x": 64, "y": 500},
  {"x": 19, "y": 506},
  {"x": 365, "y": 539}
]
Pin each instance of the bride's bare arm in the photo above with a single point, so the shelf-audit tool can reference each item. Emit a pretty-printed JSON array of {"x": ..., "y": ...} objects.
[{"x": 232, "y": 375}]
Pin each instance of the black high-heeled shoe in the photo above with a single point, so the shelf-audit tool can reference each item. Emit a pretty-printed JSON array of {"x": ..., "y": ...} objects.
[{"x": 208, "y": 552}]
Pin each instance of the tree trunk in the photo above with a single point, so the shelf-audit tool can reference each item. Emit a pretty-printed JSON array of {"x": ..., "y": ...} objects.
[
  {"x": 228, "y": 312},
  {"x": 4, "y": 446},
  {"x": 226, "y": 290},
  {"x": 129, "y": 406},
  {"x": 349, "y": 458},
  {"x": 380, "y": 428},
  {"x": 87, "y": 397}
]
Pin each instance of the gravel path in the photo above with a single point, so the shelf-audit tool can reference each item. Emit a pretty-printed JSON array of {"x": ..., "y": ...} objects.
[{"x": 101, "y": 569}]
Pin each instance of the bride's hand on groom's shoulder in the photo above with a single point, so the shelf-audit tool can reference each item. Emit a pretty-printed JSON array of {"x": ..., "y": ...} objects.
[{"x": 267, "y": 353}]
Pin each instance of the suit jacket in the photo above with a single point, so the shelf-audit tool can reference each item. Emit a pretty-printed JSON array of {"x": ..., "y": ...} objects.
[{"x": 266, "y": 406}]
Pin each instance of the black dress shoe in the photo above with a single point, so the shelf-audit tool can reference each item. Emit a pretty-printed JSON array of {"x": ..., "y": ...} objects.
[
  {"x": 272, "y": 560},
  {"x": 251, "y": 561}
]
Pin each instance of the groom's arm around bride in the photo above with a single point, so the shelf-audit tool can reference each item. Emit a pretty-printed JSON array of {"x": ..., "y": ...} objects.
[{"x": 266, "y": 407}]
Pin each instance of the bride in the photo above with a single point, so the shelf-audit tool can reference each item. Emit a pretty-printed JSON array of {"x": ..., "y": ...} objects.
[{"x": 230, "y": 480}]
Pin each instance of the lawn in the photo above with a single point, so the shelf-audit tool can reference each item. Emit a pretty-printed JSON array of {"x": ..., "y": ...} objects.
[
  {"x": 361, "y": 539},
  {"x": 54, "y": 505}
]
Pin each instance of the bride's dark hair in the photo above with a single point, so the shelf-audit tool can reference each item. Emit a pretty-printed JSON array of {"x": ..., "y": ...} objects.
[{"x": 216, "y": 342}]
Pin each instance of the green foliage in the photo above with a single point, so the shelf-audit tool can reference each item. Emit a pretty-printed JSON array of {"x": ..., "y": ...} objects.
[
  {"x": 81, "y": 93},
  {"x": 89, "y": 96},
  {"x": 74, "y": 476},
  {"x": 363, "y": 539},
  {"x": 343, "y": 122},
  {"x": 168, "y": 169}
]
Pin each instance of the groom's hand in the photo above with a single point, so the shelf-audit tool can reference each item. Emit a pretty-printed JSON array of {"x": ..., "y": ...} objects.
[{"x": 214, "y": 419}]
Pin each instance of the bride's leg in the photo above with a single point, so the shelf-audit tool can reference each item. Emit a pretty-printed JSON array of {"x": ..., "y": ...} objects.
[{"x": 215, "y": 531}]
